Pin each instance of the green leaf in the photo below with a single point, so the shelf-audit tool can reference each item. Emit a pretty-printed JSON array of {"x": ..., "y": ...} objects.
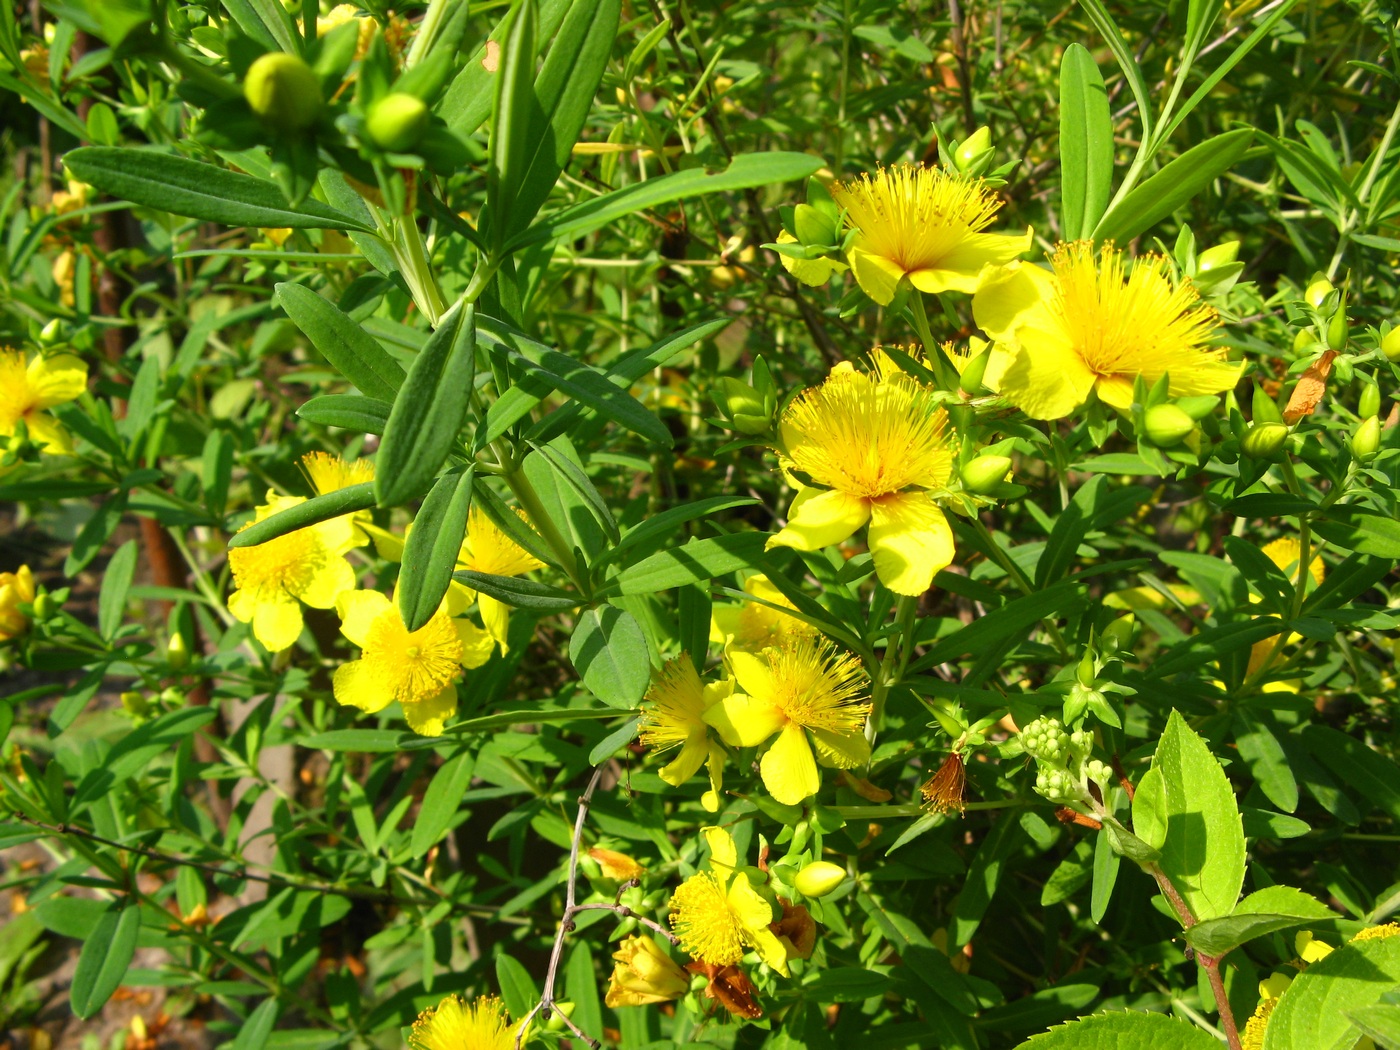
[
  {"x": 1375, "y": 777},
  {"x": 133, "y": 752},
  {"x": 505, "y": 519},
  {"x": 1259, "y": 914},
  {"x": 1212, "y": 643},
  {"x": 1106, "y": 864},
  {"x": 93, "y": 536},
  {"x": 581, "y": 985},
  {"x": 1039, "y": 1008},
  {"x": 116, "y": 582},
  {"x": 519, "y": 593},
  {"x": 984, "y": 876},
  {"x": 610, "y": 653},
  {"x": 1177, "y": 182},
  {"x": 1121, "y": 1031},
  {"x": 267, "y": 22},
  {"x": 364, "y": 415},
  {"x": 428, "y": 411},
  {"x": 613, "y": 742},
  {"x": 433, "y": 547},
  {"x": 1381, "y": 1022},
  {"x": 1203, "y": 852},
  {"x": 348, "y": 500},
  {"x": 575, "y": 478},
  {"x": 745, "y": 172},
  {"x": 694, "y": 562},
  {"x": 105, "y": 958},
  {"x": 254, "y": 1032},
  {"x": 512, "y": 119},
  {"x": 1266, "y": 759},
  {"x": 1265, "y": 824},
  {"x": 352, "y": 351},
  {"x": 442, "y": 801},
  {"x": 366, "y": 740},
  {"x": 1086, "y": 143},
  {"x": 1013, "y": 618},
  {"x": 517, "y": 987},
  {"x": 199, "y": 191},
  {"x": 1360, "y": 529},
  {"x": 1312, "y": 1012},
  {"x": 844, "y": 984}
]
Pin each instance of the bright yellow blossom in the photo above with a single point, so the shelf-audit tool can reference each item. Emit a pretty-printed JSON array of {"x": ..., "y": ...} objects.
[
  {"x": 673, "y": 715},
  {"x": 1283, "y": 552},
  {"x": 15, "y": 588},
  {"x": 874, "y": 443},
  {"x": 418, "y": 668},
  {"x": 644, "y": 974},
  {"x": 455, "y": 1024},
  {"x": 329, "y": 474},
  {"x": 1085, "y": 328},
  {"x": 924, "y": 224},
  {"x": 488, "y": 549},
  {"x": 1252, "y": 1038},
  {"x": 26, "y": 389},
  {"x": 307, "y": 565},
  {"x": 753, "y": 626},
  {"x": 801, "y": 688},
  {"x": 718, "y": 914}
]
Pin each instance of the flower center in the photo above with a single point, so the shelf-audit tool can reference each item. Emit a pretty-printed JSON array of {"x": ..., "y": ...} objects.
[
  {"x": 417, "y": 666},
  {"x": 288, "y": 563},
  {"x": 675, "y": 703},
  {"x": 818, "y": 687},
  {"x": 705, "y": 923}
]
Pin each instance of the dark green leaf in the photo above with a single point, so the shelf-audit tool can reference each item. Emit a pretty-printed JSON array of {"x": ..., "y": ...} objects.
[
  {"x": 844, "y": 984},
  {"x": 1261, "y": 913},
  {"x": 105, "y": 958},
  {"x": 1267, "y": 762},
  {"x": 1372, "y": 774},
  {"x": 1362, "y": 530},
  {"x": 1312, "y": 1013},
  {"x": 442, "y": 801},
  {"x": 517, "y": 987},
  {"x": 433, "y": 548},
  {"x": 517, "y": 592},
  {"x": 254, "y": 1032},
  {"x": 364, "y": 415},
  {"x": 353, "y": 352},
  {"x": 613, "y": 742},
  {"x": 515, "y": 118},
  {"x": 610, "y": 653},
  {"x": 317, "y": 509},
  {"x": 1086, "y": 143},
  {"x": 133, "y": 752},
  {"x": 93, "y": 536},
  {"x": 693, "y": 562}
]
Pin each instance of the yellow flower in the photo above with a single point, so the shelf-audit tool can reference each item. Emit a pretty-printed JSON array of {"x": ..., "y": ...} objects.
[
  {"x": 644, "y": 974},
  {"x": 923, "y": 224},
  {"x": 616, "y": 865},
  {"x": 803, "y": 687},
  {"x": 673, "y": 715},
  {"x": 307, "y": 565},
  {"x": 1085, "y": 328},
  {"x": 455, "y": 1024},
  {"x": 1377, "y": 933},
  {"x": 1283, "y": 552},
  {"x": 1252, "y": 1038},
  {"x": 419, "y": 669},
  {"x": 718, "y": 914},
  {"x": 752, "y": 626},
  {"x": 328, "y": 473},
  {"x": 487, "y": 549},
  {"x": 814, "y": 272},
  {"x": 15, "y": 588},
  {"x": 874, "y": 443},
  {"x": 27, "y": 389}
]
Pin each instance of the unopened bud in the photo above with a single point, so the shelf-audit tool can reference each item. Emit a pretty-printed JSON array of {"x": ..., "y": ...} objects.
[
  {"x": 1317, "y": 292},
  {"x": 1167, "y": 425},
  {"x": 985, "y": 473},
  {"x": 1367, "y": 438},
  {"x": 1304, "y": 338},
  {"x": 973, "y": 148},
  {"x": 397, "y": 122},
  {"x": 135, "y": 704},
  {"x": 1119, "y": 634},
  {"x": 812, "y": 226},
  {"x": 1338, "y": 329},
  {"x": 1265, "y": 408},
  {"x": 819, "y": 878},
  {"x": 970, "y": 380},
  {"x": 1264, "y": 440},
  {"x": 44, "y": 606},
  {"x": 1220, "y": 255},
  {"x": 1370, "y": 404},
  {"x": 1088, "y": 670},
  {"x": 1390, "y": 344},
  {"x": 742, "y": 405},
  {"x": 51, "y": 332},
  {"x": 283, "y": 91}
]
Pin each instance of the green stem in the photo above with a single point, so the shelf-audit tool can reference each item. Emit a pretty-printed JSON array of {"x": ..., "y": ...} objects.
[
  {"x": 530, "y": 502},
  {"x": 1020, "y": 579},
  {"x": 942, "y": 367},
  {"x": 897, "y": 648}
]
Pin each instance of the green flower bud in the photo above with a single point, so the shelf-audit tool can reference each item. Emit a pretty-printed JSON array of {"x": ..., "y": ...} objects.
[
  {"x": 1370, "y": 404},
  {"x": 819, "y": 878},
  {"x": 742, "y": 405},
  {"x": 1099, "y": 772},
  {"x": 1317, "y": 292},
  {"x": 1167, "y": 425},
  {"x": 1220, "y": 255},
  {"x": 1265, "y": 408},
  {"x": 812, "y": 226},
  {"x": 397, "y": 121},
  {"x": 1264, "y": 440},
  {"x": 44, "y": 606},
  {"x": 177, "y": 654},
  {"x": 970, "y": 381},
  {"x": 973, "y": 148},
  {"x": 1088, "y": 670},
  {"x": 1338, "y": 329},
  {"x": 1367, "y": 438},
  {"x": 1118, "y": 635},
  {"x": 1304, "y": 338},
  {"x": 283, "y": 91},
  {"x": 135, "y": 704},
  {"x": 50, "y": 334},
  {"x": 985, "y": 473},
  {"x": 1390, "y": 344}
]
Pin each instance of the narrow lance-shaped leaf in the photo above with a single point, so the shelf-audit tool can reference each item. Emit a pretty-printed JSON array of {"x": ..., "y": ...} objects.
[
  {"x": 513, "y": 120},
  {"x": 433, "y": 547},
  {"x": 366, "y": 415},
  {"x": 103, "y": 962},
  {"x": 352, "y": 351},
  {"x": 1086, "y": 142},
  {"x": 315, "y": 510}
]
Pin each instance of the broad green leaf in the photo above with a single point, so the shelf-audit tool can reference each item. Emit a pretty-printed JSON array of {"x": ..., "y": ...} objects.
[
  {"x": 573, "y": 516},
  {"x": 1265, "y": 824},
  {"x": 1259, "y": 914},
  {"x": 199, "y": 191},
  {"x": 1203, "y": 852},
  {"x": 1375, "y": 777},
  {"x": 745, "y": 172},
  {"x": 1127, "y": 62},
  {"x": 116, "y": 582},
  {"x": 1380, "y": 1022},
  {"x": 267, "y": 22},
  {"x": 1150, "y": 809},
  {"x": 106, "y": 956},
  {"x": 1312, "y": 1013},
  {"x": 1086, "y": 143},
  {"x": 1180, "y": 180},
  {"x": 610, "y": 653},
  {"x": 317, "y": 509},
  {"x": 364, "y": 415},
  {"x": 442, "y": 801},
  {"x": 1362, "y": 530},
  {"x": 433, "y": 547},
  {"x": 428, "y": 411},
  {"x": 693, "y": 562},
  {"x": 353, "y": 352},
  {"x": 1267, "y": 762},
  {"x": 1121, "y": 1031},
  {"x": 514, "y": 119},
  {"x": 518, "y": 592},
  {"x": 517, "y": 986}
]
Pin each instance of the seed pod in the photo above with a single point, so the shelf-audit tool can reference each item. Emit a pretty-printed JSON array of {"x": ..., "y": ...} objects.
[
  {"x": 985, "y": 473},
  {"x": 1167, "y": 425},
  {"x": 819, "y": 878},
  {"x": 397, "y": 122},
  {"x": 283, "y": 91},
  {"x": 1264, "y": 440}
]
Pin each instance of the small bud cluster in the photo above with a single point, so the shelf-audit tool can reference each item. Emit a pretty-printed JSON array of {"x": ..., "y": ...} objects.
[{"x": 1063, "y": 758}]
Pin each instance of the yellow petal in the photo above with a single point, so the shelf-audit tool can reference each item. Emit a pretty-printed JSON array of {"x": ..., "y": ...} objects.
[
  {"x": 752, "y": 673},
  {"x": 388, "y": 545},
  {"x": 339, "y": 534},
  {"x": 57, "y": 379},
  {"x": 477, "y": 645},
  {"x": 710, "y": 799},
  {"x": 960, "y": 270},
  {"x": 47, "y": 434},
  {"x": 755, "y": 914},
  {"x": 495, "y": 617},
  {"x": 910, "y": 541},
  {"x": 814, "y": 272},
  {"x": 1115, "y": 391},
  {"x": 723, "y": 853},
  {"x": 818, "y": 518},
  {"x": 1046, "y": 379},
  {"x": 459, "y": 599},
  {"x": 841, "y": 750},
  {"x": 277, "y": 623},
  {"x": 771, "y": 950},
  {"x": 724, "y": 623},
  {"x": 334, "y": 577},
  {"x": 428, "y": 717},
  {"x": 1010, "y": 297},
  {"x": 692, "y": 755},
  {"x": 789, "y": 771},
  {"x": 358, "y": 610},
  {"x": 877, "y": 276},
  {"x": 743, "y": 721},
  {"x": 355, "y": 685}
]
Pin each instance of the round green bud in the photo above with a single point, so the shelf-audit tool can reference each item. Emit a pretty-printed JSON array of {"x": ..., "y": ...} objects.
[
  {"x": 397, "y": 121},
  {"x": 51, "y": 332},
  {"x": 742, "y": 405},
  {"x": 819, "y": 878},
  {"x": 1167, "y": 425},
  {"x": 1317, "y": 292},
  {"x": 1367, "y": 438},
  {"x": 283, "y": 91},
  {"x": 1302, "y": 339},
  {"x": 1098, "y": 772},
  {"x": 1264, "y": 440},
  {"x": 1370, "y": 404},
  {"x": 972, "y": 148},
  {"x": 1088, "y": 670},
  {"x": 135, "y": 704},
  {"x": 1390, "y": 344},
  {"x": 985, "y": 473},
  {"x": 1220, "y": 255},
  {"x": 177, "y": 654}
]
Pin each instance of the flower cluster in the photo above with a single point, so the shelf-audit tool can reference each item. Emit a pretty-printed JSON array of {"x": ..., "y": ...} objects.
[{"x": 1064, "y": 766}]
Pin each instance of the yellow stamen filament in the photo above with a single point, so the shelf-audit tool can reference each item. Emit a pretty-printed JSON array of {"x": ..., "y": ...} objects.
[
  {"x": 704, "y": 921},
  {"x": 818, "y": 687}
]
